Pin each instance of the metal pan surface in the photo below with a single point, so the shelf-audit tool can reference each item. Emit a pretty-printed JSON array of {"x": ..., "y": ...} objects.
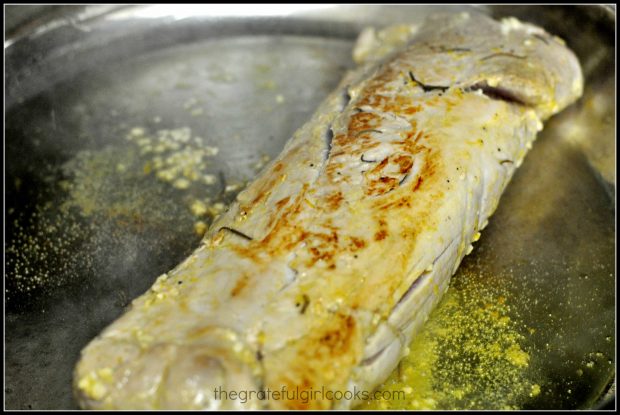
[{"x": 128, "y": 128}]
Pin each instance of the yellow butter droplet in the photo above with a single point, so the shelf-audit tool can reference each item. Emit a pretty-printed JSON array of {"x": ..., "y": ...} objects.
[
  {"x": 105, "y": 374},
  {"x": 181, "y": 183},
  {"x": 200, "y": 228},
  {"x": 92, "y": 387},
  {"x": 198, "y": 208}
]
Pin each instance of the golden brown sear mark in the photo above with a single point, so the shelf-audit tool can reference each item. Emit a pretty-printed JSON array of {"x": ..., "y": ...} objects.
[
  {"x": 356, "y": 243},
  {"x": 418, "y": 184},
  {"x": 382, "y": 231},
  {"x": 282, "y": 202},
  {"x": 334, "y": 200},
  {"x": 380, "y": 235},
  {"x": 239, "y": 286},
  {"x": 315, "y": 359},
  {"x": 338, "y": 340},
  {"x": 363, "y": 121},
  {"x": 388, "y": 174},
  {"x": 322, "y": 247},
  {"x": 404, "y": 162}
]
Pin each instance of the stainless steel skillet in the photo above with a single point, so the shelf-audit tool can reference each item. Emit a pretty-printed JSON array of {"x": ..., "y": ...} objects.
[{"x": 89, "y": 225}]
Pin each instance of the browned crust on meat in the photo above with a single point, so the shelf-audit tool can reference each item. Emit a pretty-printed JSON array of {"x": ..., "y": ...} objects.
[
  {"x": 329, "y": 352},
  {"x": 313, "y": 359}
]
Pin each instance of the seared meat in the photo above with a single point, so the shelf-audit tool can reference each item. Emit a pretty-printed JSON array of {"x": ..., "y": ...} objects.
[{"x": 320, "y": 273}]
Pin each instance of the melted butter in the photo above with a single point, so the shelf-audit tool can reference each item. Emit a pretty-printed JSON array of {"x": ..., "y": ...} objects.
[
  {"x": 469, "y": 355},
  {"x": 93, "y": 384}
]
